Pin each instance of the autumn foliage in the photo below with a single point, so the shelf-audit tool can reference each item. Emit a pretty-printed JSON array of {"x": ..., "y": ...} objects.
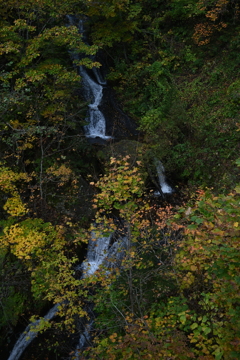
[
  {"x": 175, "y": 296},
  {"x": 172, "y": 289}
]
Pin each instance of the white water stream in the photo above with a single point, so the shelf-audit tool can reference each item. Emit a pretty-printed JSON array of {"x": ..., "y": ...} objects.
[
  {"x": 166, "y": 189},
  {"x": 29, "y": 335},
  {"x": 93, "y": 93},
  {"x": 93, "y": 83},
  {"x": 100, "y": 251},
  {"x": 96, "y": 254},
  {"x": 98, "y": 248}
]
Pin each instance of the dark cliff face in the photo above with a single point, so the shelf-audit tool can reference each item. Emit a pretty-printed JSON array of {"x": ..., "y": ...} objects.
[{"x": 118, "y": 124}]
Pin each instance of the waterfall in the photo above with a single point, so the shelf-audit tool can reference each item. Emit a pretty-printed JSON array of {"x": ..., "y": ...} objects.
[
  {"x": 165, "y": 188},
  {"x": 84, "y": 338},
  {"x": 100, "y": 251},
  {"x": 96, "y": 254},
  {"x": 93, "y": 93},
  {"x": 29, "y": 335},
  {"x": 93, "y": 83},
  {"x": 99, "y": 248}
]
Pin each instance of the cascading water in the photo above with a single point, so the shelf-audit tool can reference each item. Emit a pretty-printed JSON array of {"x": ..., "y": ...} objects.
[
  {"x": 29, "y": 335},
  {"x": 96, "y": 253},
  {"x": 100, "y": 251},
  {"x": 165, "y": 188},
  {"x": 93, "y": 93},
  {"x": 93, "y": 84}
]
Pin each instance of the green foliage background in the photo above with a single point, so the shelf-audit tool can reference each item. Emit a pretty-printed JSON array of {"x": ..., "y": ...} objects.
[{"x": 175, "y": 68}]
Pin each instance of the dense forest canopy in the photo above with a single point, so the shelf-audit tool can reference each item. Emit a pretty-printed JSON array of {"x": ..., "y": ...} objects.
[{"x": 174, "y": 68}]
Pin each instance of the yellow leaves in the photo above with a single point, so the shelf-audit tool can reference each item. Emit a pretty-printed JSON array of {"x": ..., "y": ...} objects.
[
  {"x": 193, "y": 268},
  {"x": 8, "y": 177},
  {"x": 187, "y": 280},
  {"x": 26, "y": 145},
  {"x": 34, "y": 75},
  {"x": 112, "y": 160},
  {"x": 24, "y": 241},
  {"x": 63, "y": 172},
  {"x": 15, "y": 207},
  {"x": 119, "y": 185},
  {"x": 237, "y": 189},
  {"x": 9, "y": 47}
]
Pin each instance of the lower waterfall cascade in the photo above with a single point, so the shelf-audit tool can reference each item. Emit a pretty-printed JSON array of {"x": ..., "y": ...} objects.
[
  {"x": 100, "y": 249},
  {"x": 93, "y": 93},
  {"x": 29, "y": 335}
]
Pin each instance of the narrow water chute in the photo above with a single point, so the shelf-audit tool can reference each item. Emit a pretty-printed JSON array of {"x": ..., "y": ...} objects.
[
  {"x": 165, "y": 188},
  {"x": 30, "y": 334},
  {"x": 93, "y": 84}
]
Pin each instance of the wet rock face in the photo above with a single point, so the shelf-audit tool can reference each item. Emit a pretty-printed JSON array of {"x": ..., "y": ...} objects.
[{"x": 118, "y": 124}]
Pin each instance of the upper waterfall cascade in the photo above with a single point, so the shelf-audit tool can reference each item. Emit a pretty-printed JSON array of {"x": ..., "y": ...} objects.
[
  {"x": 93, "y": 93},
  {"x": 93, "y": 83}
]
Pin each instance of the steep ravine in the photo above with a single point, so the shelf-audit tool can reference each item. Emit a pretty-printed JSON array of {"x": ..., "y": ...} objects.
[{"x": 107, "y": 124}]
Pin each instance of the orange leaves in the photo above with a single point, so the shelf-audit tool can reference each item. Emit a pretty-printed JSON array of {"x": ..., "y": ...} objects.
[
  {"x": 218, "y": 10},
  {"x": 203, "y": 31}
]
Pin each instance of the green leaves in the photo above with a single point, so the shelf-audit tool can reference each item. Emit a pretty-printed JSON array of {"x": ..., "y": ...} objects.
[{"x": 210, "y": 254}]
